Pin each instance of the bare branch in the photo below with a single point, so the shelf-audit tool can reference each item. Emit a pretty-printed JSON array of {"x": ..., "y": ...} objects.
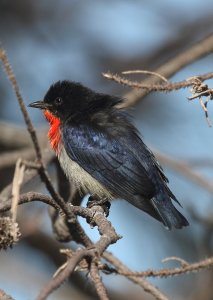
[
  {"x": 164, "y": 87},
  {"x": 43, "y": 172},
  {"x": 96, "y": 278},
  {"x": 164, "y": 273},
  {"x": 200, "y": 49},
  {"x": 27, "y": 198},
  {"x": 108, "y": 237},
  {"x": 12, "y": 79},
  {"x": 56, "y": 281},
  {"x": 17, "y": 181},
  {"x": 147, "y": 286},
  {"x": 29, "y": 176}
]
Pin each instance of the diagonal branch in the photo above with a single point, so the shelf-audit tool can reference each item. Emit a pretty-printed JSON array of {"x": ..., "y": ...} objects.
[
  {"x": 200, "y": 49},
  {"x": 56, "y": 281},
  {"x": 43, "y": 172},
  {"x": 12, "y": 79}
]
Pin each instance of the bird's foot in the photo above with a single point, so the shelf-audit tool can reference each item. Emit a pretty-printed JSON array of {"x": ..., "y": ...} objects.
[{"x": 104, "y": 202}]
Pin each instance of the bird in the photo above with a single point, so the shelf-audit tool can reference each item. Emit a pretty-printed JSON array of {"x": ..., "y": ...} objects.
[{"x": 102, "y": 152}]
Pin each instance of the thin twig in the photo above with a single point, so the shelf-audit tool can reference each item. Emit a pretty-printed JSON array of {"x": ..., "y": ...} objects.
[
  {"x": 200, "y": 49},
  {"x": 147, "y": 286},
  {"x": 198, "y": 90},
  {"x": 12, "y": 79},
  {"x": 17, "y": 181},
  {"x": 56, "y": 281},
  {"x": 27, "y": 198},
  {"x": 43, "y": 172},
  {"x": 30, "y": 175},
  {"x": 108, "y": 236},
  {"x": 164, "y": 87},
  {"x": 96, "y": 278},
  {"x": 145, "y": 72},
  {"x": 175, "y": 258},
  {"x": 164, "y": 273}
]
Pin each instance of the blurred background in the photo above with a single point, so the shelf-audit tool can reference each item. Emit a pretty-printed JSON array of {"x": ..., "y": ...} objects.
[{"x": 78, "y": 40}]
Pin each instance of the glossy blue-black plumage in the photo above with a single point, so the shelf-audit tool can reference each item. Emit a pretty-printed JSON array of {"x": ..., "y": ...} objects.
[
  {"x": 107, "y": 160},
  {"x": 102, "y": 140}
]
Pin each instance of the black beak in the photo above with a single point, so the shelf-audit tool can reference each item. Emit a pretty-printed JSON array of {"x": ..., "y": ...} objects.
[{"x": 40, "y": 104}]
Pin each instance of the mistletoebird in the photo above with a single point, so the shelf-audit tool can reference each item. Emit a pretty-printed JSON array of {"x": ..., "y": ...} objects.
[{"x": 102, "y": 152}]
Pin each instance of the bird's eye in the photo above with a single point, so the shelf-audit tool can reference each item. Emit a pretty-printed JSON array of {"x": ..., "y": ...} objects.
[{"x": 58, "y": 101}]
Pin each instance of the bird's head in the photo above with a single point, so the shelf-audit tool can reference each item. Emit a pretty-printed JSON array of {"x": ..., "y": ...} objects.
[
  {"x": 64, "y": 99},
  {"x": 68, "y": 99}
]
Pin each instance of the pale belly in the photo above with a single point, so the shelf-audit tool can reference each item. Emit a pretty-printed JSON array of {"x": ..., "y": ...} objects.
[{"x": 83, "y": 181}]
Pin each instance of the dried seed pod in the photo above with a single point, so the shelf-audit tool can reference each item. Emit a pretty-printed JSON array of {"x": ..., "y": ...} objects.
[{"x": 9, "y": 233}]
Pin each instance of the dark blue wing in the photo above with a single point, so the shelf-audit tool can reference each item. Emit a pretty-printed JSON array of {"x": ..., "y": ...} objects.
[{"x": 108, "y": 160}]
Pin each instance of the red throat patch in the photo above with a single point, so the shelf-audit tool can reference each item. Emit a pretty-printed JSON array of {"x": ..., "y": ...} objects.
[{"x": 54, "y": 131}]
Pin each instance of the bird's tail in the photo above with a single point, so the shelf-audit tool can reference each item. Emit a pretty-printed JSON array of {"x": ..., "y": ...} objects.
[{"x": 167, "y": 212}]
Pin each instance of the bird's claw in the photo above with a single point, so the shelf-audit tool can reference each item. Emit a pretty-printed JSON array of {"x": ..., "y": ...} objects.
[{"x": 104, "y": 202}]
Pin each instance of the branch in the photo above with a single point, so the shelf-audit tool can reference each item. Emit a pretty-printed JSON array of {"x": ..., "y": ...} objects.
[
  {"x": 197, "y": 51},
  {"x": 43, "y": 172},
  {"x": 16, "y": 185},
  {"x": 164, "y": 87},
  {"x": 56, "y": 281},
  {"x": 108, "y": 236},
  {"x": 164, "y": 273},
  {"x": 147, "y": 286},
  {"x": 12, "y": 79},
  {"x": 96, "y": 278},
  {"x": 27, "y": 198}
]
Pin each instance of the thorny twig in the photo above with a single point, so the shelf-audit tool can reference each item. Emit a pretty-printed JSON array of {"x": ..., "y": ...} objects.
[
  {"x": 202, "y": 48},
  {"x": 198, "y": 90},
  {"x": 163, "y": 87}
]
